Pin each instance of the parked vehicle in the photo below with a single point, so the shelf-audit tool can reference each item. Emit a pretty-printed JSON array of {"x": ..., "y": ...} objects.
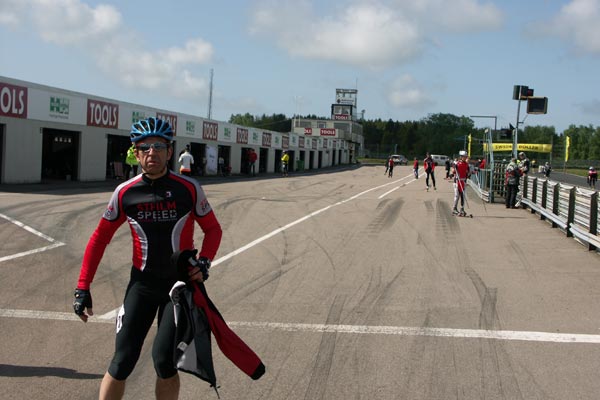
[
  {"x": 399, "y": 159},
  {"x": 439, "y": 159}
]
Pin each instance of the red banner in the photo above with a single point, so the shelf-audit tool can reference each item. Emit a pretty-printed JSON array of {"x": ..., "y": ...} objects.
[
  {"x": 301, "y": 142},
  {"x": 102, "y": 114},
  {"x": 327, "y": 132},
  {"x": 170, "y": 118},
  {"x": 285, "y": 142},
  {"x": 266, "y": 139},
  {"x": 13, "y": 101},
  {"x": 210, "y": 130},
  {"x": 242, "y": 136},
  {"x": 308, "y": 131}
]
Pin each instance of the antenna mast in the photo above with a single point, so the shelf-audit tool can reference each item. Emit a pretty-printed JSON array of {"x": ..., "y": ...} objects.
[{"x": 210, "y": 91}]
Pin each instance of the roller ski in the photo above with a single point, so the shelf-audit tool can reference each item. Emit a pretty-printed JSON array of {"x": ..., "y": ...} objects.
[{"x": 461, "y": 213}]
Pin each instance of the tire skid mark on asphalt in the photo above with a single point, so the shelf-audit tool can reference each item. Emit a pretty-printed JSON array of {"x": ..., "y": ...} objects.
[
  {"x": 387, "y": 214},
  {"x": 516, "y": 249},
  {"x": 497, "y": 372},
  {"x": 324, "y": 359}
]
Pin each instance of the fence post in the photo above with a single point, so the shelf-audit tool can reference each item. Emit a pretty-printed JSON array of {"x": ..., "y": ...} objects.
[
  {"x": 544, "y": 197},
  {"x": 534, "y": 194},
  {"x": 555, "y": 200},
  {"x": 571, "y": 214},
  {"x": 593, "y": 218},
  {"x": 525, "y": 184}
]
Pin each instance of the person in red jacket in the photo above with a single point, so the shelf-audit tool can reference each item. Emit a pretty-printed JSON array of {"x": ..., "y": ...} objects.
[
  {"x": 429, "y": 166},
  {"x": 390, "y": 167},
  {"x": 161, "y": 208},
  {"x": 416, "y": 168},
  {"x": 252, "y": 157},
  {"x": 461, "y": 174}
]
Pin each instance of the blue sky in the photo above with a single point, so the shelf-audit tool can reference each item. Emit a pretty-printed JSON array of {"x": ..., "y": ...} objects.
[{"x": 407, "y": 58}]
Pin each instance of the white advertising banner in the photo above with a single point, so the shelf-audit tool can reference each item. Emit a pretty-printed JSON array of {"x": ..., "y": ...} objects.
[
  {"x": 276, "y": 140},
  {"x": 190, "y": 127},
  {"x": 226, "y": 133},
  {"x": 130, "y": 114},
  {"x": 255, "y": 137},
  {"x": 56, "y": 106}
]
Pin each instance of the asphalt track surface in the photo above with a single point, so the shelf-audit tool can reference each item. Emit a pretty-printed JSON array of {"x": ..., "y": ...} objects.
[{"x": 348, "y": 284}]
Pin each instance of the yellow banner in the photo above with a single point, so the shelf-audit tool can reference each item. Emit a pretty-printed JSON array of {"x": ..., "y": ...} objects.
[{"x": 533, "y": 147}]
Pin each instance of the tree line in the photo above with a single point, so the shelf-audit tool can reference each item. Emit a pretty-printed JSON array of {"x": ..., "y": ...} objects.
[{"x": 445, "y": 134}]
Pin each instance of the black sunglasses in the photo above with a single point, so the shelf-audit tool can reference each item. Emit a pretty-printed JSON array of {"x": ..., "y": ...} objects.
[{"x": 158, "y": 146}]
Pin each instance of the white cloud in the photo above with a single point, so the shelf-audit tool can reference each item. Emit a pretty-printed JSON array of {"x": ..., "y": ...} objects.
[
  {"x": 591, "y": 107},
  {"x": 374, "y": 34},
  {"x": 9, "y": 12},
  {"x": 577, "y": 24},
  {"x": 406, "y": 92},
  {"x": 100, "y": 33},
  {"x": 462, "y": 16}
]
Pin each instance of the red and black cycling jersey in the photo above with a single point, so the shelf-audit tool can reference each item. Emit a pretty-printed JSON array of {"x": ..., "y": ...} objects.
[
  {"x": 461, "y": 169},
  {"x": 428, "y": 164},
  {"x": 161, "y": 214}
]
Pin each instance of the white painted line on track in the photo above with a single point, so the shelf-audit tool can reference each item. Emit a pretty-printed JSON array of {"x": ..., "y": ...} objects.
[
  {"x": 388, "y": 192},
  {"x": 526, "y": 336},
  {"x": 396, "y": 188},
  {"x": 29, "y": 252},
  {"x": 296, "y": 222},
  {"x": 35, "y": 232},
  {"x": 529, "y": 336}
]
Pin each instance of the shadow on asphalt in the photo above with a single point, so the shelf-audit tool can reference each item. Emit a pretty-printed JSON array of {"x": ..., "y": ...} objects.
[{"x": 26, "y": 371}]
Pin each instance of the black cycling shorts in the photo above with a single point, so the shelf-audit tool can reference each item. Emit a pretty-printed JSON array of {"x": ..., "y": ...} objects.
[{"x": 143, "y": 299}]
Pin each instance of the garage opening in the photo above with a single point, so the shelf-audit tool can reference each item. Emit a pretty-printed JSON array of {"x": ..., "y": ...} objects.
[
  {"x": 198, "y": 151},
  {"x": 60, "y": 154},
  {"x": 1, "y": 152},
  {"x": 116, "y": 152}
]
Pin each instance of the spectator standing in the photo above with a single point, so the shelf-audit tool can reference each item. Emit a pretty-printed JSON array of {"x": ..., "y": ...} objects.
[
  {"x": 524, "y": 164},
  {"x": 547, "y": 169},
  {"x": 285, "y": 161},
  {"x": 511, "y": 181},
  {"x": 221, "y": 166},
  {"x": 131, "y": 162},
  {"x": 186, "y": 160},
  {"x": 390, "y": 167},
  {"x": 252, "y": 157}
]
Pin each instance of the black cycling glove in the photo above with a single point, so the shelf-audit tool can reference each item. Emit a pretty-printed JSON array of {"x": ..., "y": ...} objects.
[
  {"x": 83, "y": 300},
  {"x": 204, "y": 264},
  {"x": 185, "y": 259}
]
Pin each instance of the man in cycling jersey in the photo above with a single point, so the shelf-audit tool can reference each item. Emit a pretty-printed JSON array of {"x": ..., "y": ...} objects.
[{"x": 161, "y": 208}]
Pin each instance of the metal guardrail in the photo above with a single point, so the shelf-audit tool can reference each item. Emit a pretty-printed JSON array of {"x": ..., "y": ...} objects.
[{"x": 572, "y": 209}]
